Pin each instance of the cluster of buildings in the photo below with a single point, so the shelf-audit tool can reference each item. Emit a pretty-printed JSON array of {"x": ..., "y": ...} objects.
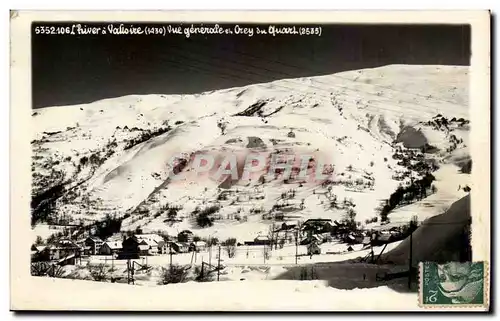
[
  {"x": 66, "y": 251},
  {"x": 311, "y": 233}
]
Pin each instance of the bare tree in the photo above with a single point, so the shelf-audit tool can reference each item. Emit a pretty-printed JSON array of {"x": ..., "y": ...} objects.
[
  {"x": 98, "y": 272},
  {"x": 174, "y": 274},
  {"x": 230, "y": 247},
  {"x": 46, "y": 269},
  {"x": 39, "y": 268}
]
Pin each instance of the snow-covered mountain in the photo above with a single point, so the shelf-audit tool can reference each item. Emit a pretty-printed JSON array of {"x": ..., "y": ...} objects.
[{"x": 378, "y": 128}]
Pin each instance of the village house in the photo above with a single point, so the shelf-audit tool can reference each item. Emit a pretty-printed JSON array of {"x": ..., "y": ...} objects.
[
  {"x": 353, "y": 238},
  {"x": 180, "y": 247},
  {"x": 143, "y": 244},
  {"x": 152, "y": 246},
  {"x": 262, "y": 240},
  {"x": 94, "y": 243},
  {"x": 111, "y": 247},
  {"x": 63, "y": 251},
  {"x": 85, "y": 248},
  {"x": 36, "y": 250},
  {"x": 130, "y": 249},
  {"x": 384, "y": 237},
  {"x": 157, "y": 244},
  {"x": 287, "y": 232},
  {"x": 288, "y": 226},
  {"x": 317, "y": 226},
  {"x": 311, "y": 238},
  {"x": 198, "y": 246}
]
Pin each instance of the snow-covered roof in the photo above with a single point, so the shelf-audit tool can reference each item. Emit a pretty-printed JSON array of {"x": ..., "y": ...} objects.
[
  {"x": 66, "y": 243},
  {"x": 148, "y": 242},
  {"x": 66, "y": 258},
  {"x": 94, "y": 238},
  {"x": 143, "y": 247},
  {"x": 114, "y": 245},
  {"x": 262, "y": 238},
  {"x": 200, "y": 243},
  {"x": 384, "y": 237},
  {"x": 155, "y": 237}
]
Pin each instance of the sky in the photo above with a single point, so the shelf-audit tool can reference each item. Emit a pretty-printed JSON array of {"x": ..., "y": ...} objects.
[{"x": 75, "y": 69}]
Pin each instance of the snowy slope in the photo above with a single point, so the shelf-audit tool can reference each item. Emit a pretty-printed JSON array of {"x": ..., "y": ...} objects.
[
  {"x": 438, "y": 239},
  {"x": 219, "y": 296},
  {"x": 113, "y": 156}
]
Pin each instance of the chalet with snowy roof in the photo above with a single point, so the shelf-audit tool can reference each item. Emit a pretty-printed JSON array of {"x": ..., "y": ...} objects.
[
  {"x": 318, "y": 225},
  {"x": 94, "y": 243},
  {"x": 353, "y": 238},
  {"x": 35, "y": 251},
  {"x": 62, "y": 251},
  {"x": 262, "y": 240},
  {"x": 384, "y": 237},
  {"x": 156, "y": 242},
  {"x": 287, "y": 226},
  {"x": 111, "y": 247},
  {"x": 130, "y": 249},
  {"x": 141, "y": 245},
  {"x": 312, "y": 238},
  {"x": 180, "y": 247},
  {"x": 198, "y": 246}
]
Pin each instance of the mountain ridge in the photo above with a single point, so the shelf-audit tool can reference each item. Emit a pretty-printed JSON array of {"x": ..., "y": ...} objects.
[{"x": 117, "y": 151}]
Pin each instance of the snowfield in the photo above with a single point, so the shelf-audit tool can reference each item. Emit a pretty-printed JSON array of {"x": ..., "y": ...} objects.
[
  {"x": 113, "y": 157},
  {"x": 218, "y": 296}
]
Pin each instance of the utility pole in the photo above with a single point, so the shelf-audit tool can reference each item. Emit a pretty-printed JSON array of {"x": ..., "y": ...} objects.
[
  {"x": 275, "y": 238},
  {"x": 210, "y": 255},
  {"x": 296, "y": 246},
  {"x": 218, "y": 266},
  {"x": 170, "y": 255},
  {"x": 410, "y": 261},
  {"x": 129, "y": 273}
]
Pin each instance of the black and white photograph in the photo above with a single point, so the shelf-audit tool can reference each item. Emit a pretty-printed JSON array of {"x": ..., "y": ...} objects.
[{"x": 315, "y": 165}]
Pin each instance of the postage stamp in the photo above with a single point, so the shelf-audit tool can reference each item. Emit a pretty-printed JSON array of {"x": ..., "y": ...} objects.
[{"x": 453, "y": 284}]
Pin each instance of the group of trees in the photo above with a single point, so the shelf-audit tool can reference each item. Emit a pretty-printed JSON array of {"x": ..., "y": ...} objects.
[
  {"x": 146, "y": 135},
  {"x": 417, "y": 190},
  {"x": 203, "y": 217},
  {"x": 349, "y": 219},
  {"x": 46, "y": 269},
  {"x": 175, "y": 273},
  {"x": 107, "y": 227},
  {"x": 43, "y": 205}
]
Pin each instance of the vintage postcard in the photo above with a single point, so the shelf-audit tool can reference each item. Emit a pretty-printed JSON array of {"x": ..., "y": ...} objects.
[{"x": 250, "y": 161}]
